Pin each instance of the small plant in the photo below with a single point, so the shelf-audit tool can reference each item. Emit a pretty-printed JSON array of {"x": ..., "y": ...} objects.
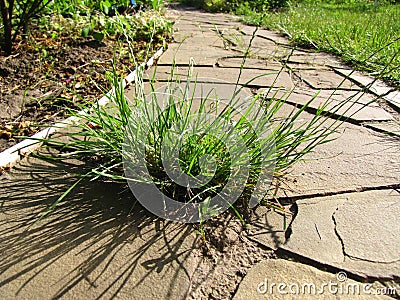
[{"x": 141, "y": 26}]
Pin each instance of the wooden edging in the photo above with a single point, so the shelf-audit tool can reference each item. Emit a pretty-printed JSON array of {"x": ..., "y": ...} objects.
[{"x": 12, "y": 155}]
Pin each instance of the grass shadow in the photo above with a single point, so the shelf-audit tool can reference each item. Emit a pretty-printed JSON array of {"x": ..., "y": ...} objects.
[{"x": 95, "y": 239}]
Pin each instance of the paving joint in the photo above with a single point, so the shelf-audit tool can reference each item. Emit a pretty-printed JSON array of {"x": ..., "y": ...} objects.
[{"x": 292, "y": 199}]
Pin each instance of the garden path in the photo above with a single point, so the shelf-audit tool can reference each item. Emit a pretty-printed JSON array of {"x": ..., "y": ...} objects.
[{"x": 345, "y": 198}]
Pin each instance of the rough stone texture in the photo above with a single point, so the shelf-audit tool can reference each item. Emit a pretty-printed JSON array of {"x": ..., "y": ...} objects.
[
  {"x": 260, "y": 46},
  {"x": 389, "y": 127},
  {"x": 356, "y": 232},
  {"x": 370, "y": 233},
  {"x": 394, "y": 99},
  {"x": 354, "y": 105},
  {"x": 258, "y": 281},
  {"x": 266, "y": 78},
  {"x": 324, "y": 79},
  {"x": 94, "y": 245},
  {"x": 208, "y": 39},
  {"x": 313, "y": 59},
  {"x": 265, "y": 34},
  {"x": 270, "y": 228},
  {"x": 357, "y": 159},
  {"x": 183, "y": 54},
  {"x": 378, "y": 87},
  {"x": 270, "y": 53},
  {"x": 250, "y": 63}
]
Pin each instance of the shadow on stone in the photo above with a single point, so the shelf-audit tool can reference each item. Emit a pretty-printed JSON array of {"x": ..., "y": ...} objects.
[{"x": 96, "y": 242}]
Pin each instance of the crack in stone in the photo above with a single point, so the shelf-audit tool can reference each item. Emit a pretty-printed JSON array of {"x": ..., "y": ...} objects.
[
  {"x": 373, "y": 261},
  {"x": 351, "y": 256},
  {"x": 338, "y": 235},
  {"x": 316, "y": 228},
  {"x": 290, "y": 199}
]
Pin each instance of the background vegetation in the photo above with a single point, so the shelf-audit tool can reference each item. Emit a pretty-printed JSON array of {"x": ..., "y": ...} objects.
[
  {"x": 364, "y": 33},
  {"x": 18, "y": 16}
]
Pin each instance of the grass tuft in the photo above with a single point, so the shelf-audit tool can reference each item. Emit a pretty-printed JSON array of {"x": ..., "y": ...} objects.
[{"x": 193, "y": 145}]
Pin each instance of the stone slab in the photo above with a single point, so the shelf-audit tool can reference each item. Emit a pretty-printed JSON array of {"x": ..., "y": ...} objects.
[
  {"x": 394, "y": 99},
  {"x": 356, "y": 232},
  {"x": 95, "y": 244},
  {"x": 314, "y": 59},
  {"x": 357, "y": 159},
  {"x": 377, "y": 87},
  {"x": 370, "y": 232},
  {"x": 260, "y": 46},
  {"x": 182, "y": 54},
  {"x": 243, "y": 41},
  {"x": 390, "y": 127},
  {"x": 251, "y": 63},
  {"x": 270, "y": 227},
  {"x": 265, "y": 34},
  {"x": 356, "y": 106},
  {"x": 325, "y": 79},
  {"x": 213, "y": 20},
  {"x": 230, "y": 75},
  {"x": 270, "y": 53},
  {"x": 206, "y": 39},
  {"x": 201, "y": 16},
  {"x": 284, "y": 279},
  {"x": 299, "y": 66},
  {"x": 189, "y": 28}
]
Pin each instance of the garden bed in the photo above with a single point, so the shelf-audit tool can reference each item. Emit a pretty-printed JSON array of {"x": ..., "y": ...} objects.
[{"x": 57, "y": 68}]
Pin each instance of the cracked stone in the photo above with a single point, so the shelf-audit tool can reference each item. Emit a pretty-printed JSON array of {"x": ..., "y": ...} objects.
[
  {"x": 356, "y": 232},
  {"x": 358, "y": 158},
  {"x": 313, "y": 231},
  {"x": 265, "y": 34},
  {"x": 360, "y": 107},
  {"x": 95, "y": 245},
  {"x": 182, "y": 54},
  {"x": 270, "y": 53},
  {"x": 378, "y": 87},
  {"x": 269, "y": 229},
  {"x": 325, "y": 79},
  {"x": 372, "y": 232},
  {"x": 314, "y": 59},
  {"x": 208, "y": 39},
  {"x": 279, "y": 279},
  {"x": 244, "y": 41},
  {"x": 389, "y": 127},
  {"x": 394, "y": 99},
  {"x": 251, "y": 63},
  {"x": 230, "y": 75}
]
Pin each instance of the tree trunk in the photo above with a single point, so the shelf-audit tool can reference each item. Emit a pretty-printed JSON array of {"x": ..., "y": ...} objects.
[{"x": 6, "y": 14}]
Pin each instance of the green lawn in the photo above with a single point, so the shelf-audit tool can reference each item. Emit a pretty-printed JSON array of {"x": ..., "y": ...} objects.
[{"x": 360, "y": 33}]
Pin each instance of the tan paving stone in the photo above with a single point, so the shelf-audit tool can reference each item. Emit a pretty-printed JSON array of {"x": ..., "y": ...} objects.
[
  {"x": 96, "y": 244},
  {"x": 355, "y": 232},
  {"x": 356, "y": 106},
  {"x": 325, "y": 79},
  {"x": 359, "y": 158},
  {"x": 268, "y": 77},
  {"x": 284, "y": 279}
]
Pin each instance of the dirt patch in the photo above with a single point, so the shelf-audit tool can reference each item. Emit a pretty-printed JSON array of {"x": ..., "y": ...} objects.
[
  {"x": 45, "y": 77},
  {"x": 226, "y": 256}
]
